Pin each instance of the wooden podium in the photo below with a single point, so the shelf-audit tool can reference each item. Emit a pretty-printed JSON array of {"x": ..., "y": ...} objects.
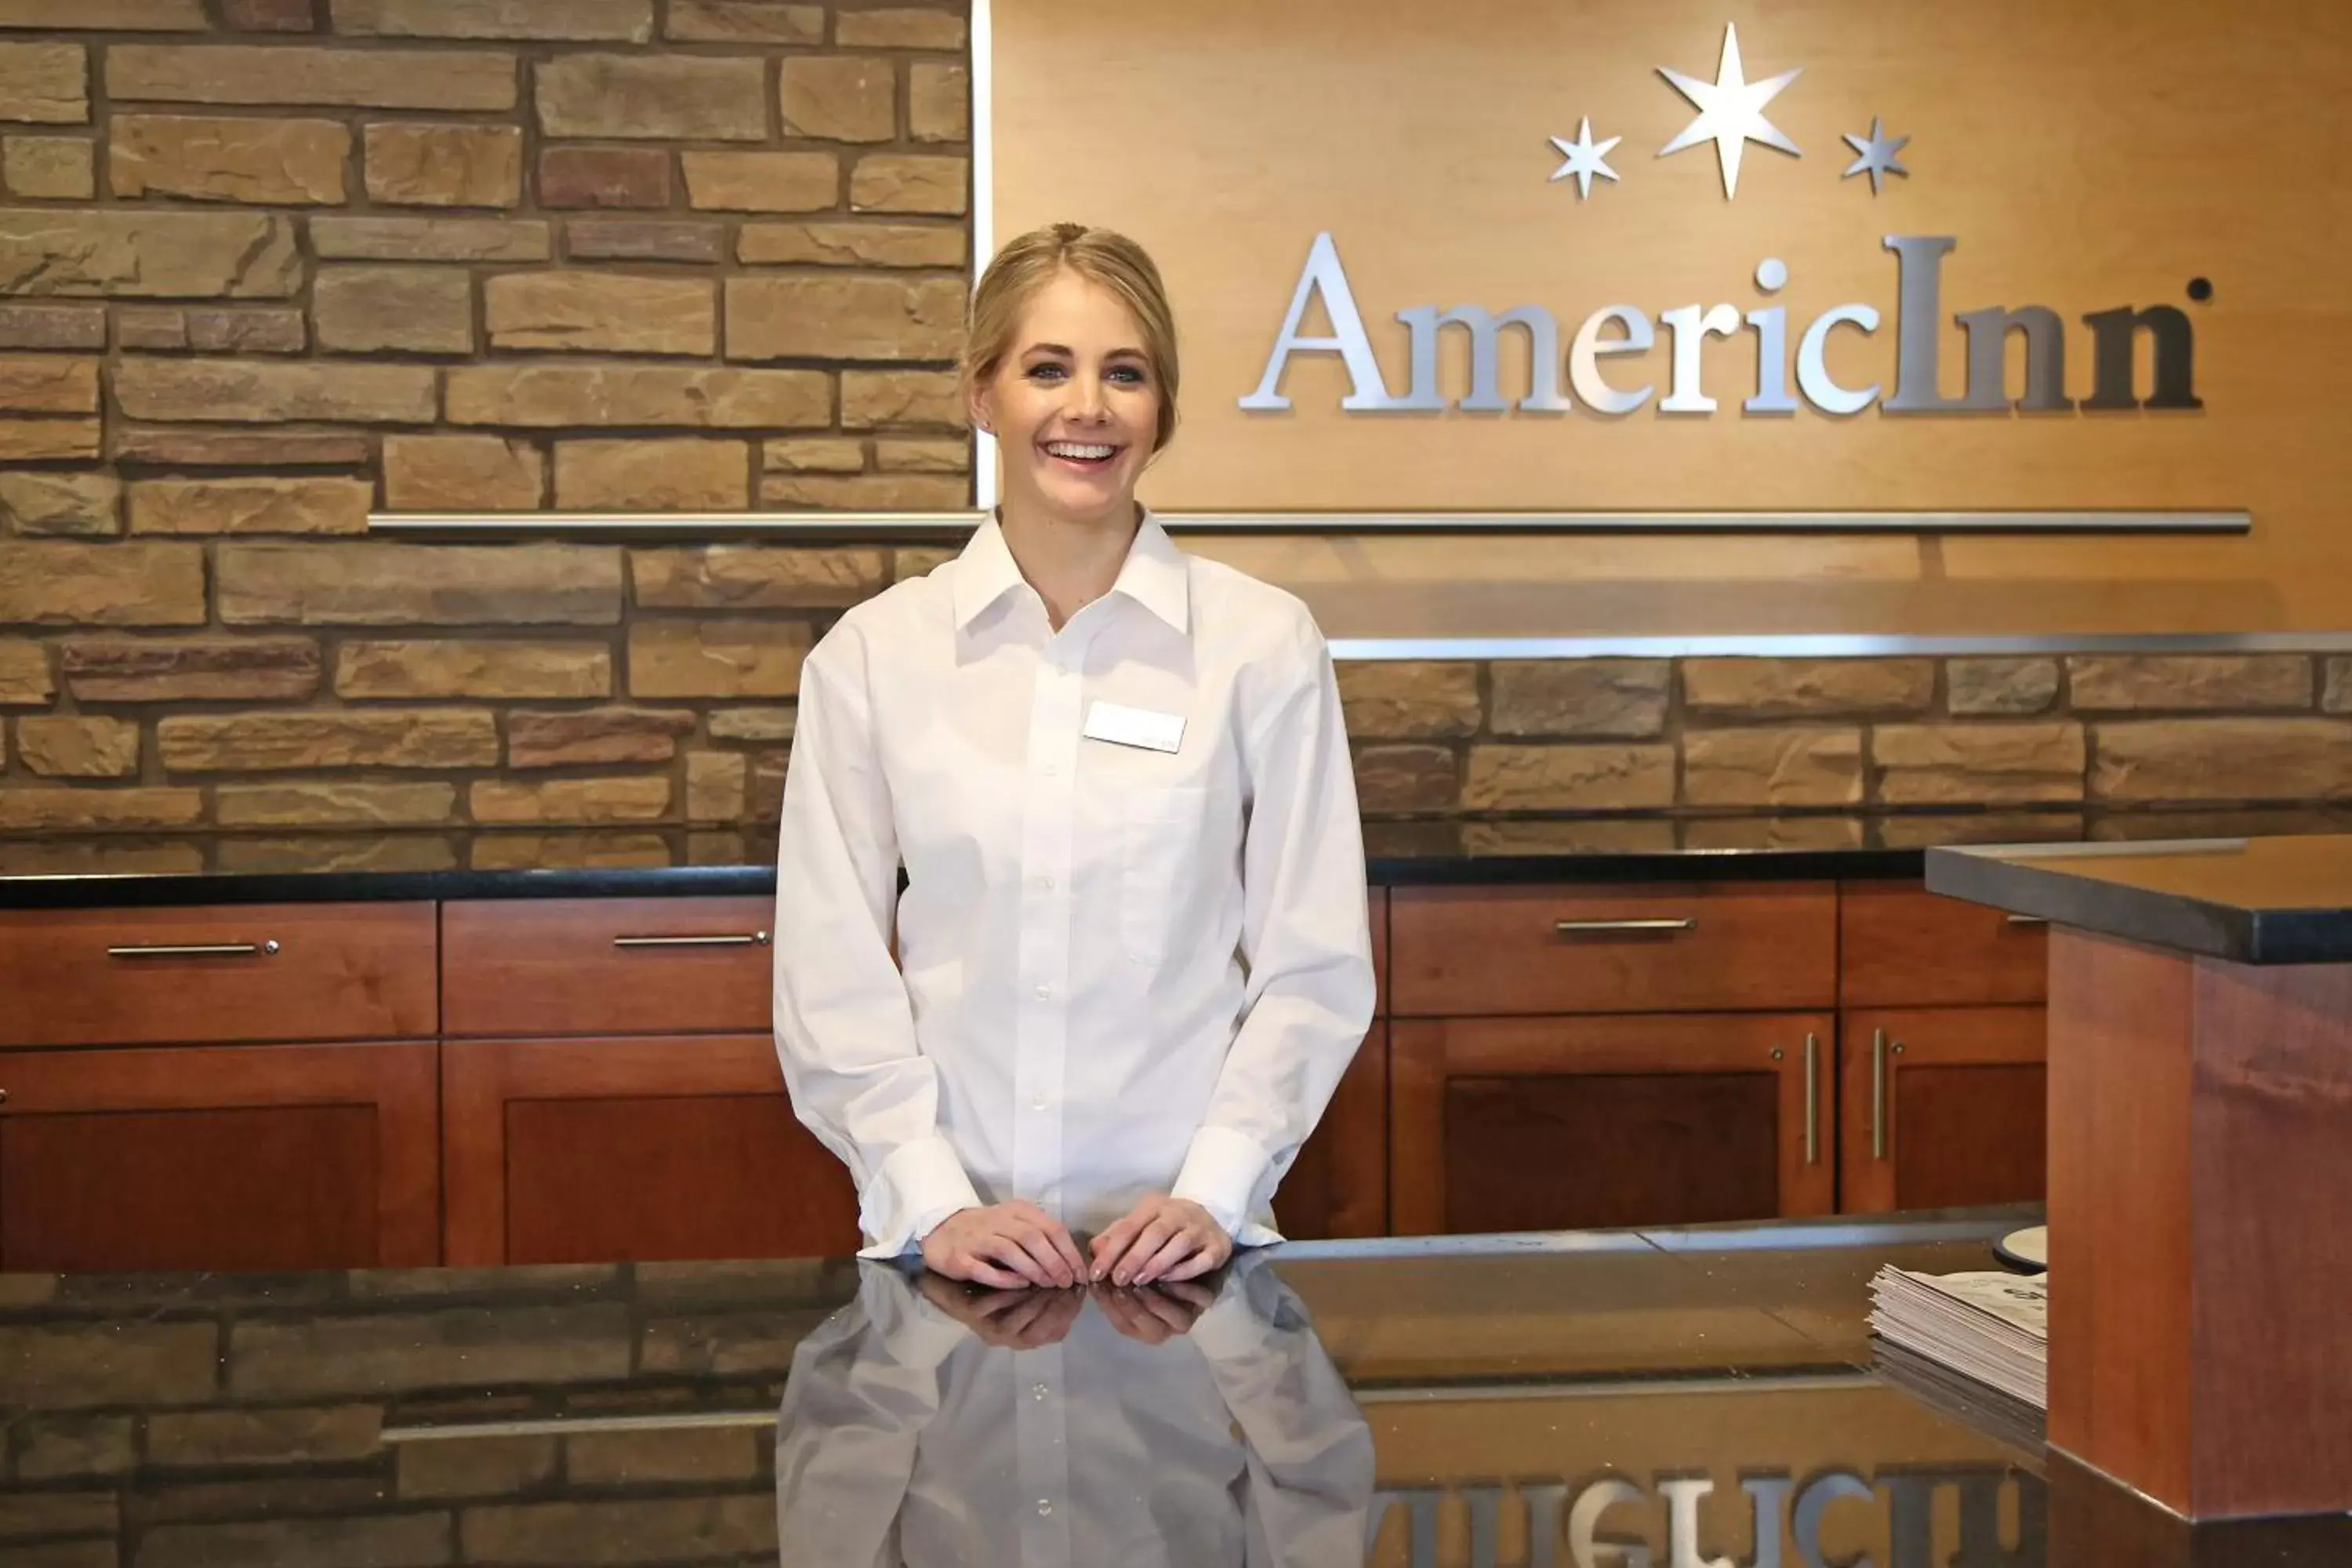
[{"x": 2201, "y": 1160}]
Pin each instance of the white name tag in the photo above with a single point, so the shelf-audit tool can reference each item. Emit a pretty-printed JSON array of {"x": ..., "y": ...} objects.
[{"x": 1123, "y": 726}]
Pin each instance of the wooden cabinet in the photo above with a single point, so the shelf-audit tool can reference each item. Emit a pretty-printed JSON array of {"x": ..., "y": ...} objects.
[
  {"x": 220, "y": 1157},
  {"x": 1941, "y": 1106},
  {"x": 606, "y": 967},
  {"x": 1599, "y": 1120},
  {"x": 1902, "y": 946},
  {"x": 1338, "y": 1185}
]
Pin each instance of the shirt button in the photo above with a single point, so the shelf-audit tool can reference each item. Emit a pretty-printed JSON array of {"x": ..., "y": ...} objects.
[
  {"x": 1039, "y": 1103},
  {"x": 1038, "y": 1391},
  {"x": 1045, "y": 993},
  {"x": 1045, "y": 883},
  {"x": 1044, "y": 1508}
]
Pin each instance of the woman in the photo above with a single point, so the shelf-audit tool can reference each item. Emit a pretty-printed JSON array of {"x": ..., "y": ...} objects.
[{"x": 1133, "y": 957}]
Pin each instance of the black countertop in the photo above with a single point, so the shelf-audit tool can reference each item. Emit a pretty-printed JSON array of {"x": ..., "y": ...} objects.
[
  {"x": 122, "y": 870},
  {"x": 1511, "y": 1399},
  {"x": 2252, "y": 901}
]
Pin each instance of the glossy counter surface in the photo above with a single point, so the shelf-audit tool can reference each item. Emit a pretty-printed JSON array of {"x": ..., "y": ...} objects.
[
  {"x": 2252, "y": 901},
  {"x": 126, "y": 870},
  {"x": 1500, "y": 1400}
]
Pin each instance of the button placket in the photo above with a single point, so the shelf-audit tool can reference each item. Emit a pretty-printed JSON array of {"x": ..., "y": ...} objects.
[
  {"x": 1048, "y": 823},
  {"x": 1041, "y": 1441}
]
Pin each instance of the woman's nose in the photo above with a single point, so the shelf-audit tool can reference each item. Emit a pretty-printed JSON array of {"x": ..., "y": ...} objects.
[{"x": 1087, "y": 397}]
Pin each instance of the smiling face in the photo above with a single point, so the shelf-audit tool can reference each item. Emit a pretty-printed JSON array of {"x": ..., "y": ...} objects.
[{"x": 1074, "y": 403}]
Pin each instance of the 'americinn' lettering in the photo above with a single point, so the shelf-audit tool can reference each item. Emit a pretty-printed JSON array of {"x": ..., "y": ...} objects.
[{"x": 1628, "y": 331}]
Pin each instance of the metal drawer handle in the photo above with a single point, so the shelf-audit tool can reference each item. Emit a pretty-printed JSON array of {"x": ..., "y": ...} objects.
[
  {"x": 1588, "y": 928},
  {"x": 1878, "y": 1053},
  {"x": 751, "y": 939},
  {"x": 194, "y": 950},
  {"x": 1812, "y": 1102},
  {"x": 2029, "y": 919}
]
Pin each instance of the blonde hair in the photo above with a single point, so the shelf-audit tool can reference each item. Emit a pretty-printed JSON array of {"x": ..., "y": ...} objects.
[{"x": 1101, "y": 257}]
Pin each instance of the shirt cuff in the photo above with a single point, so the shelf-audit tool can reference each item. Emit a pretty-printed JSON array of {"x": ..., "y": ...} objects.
[
  {"x": 1222, "y": 1169},
  {"x": 921, "y": 1184}
]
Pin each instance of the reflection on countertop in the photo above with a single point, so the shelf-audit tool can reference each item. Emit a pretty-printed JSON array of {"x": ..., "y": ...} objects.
[{"x": 1598, "y": 1398}]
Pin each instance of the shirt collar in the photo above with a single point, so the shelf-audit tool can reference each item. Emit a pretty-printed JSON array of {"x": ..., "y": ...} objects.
[{"x": 1154, "y": 575}]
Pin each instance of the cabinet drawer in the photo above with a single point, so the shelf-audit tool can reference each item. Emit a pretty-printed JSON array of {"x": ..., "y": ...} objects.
[
  {"x": 224, "y": 973},
  {"x": 1649, "y": 948},
  {"x": 1907, "y": 947},
  {"x": 606, "y": 967}
]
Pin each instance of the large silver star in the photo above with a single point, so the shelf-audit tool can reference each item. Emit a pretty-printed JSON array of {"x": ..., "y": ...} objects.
[
  {"x": 1584, "y": 159},
  {"x": 1730, "y": 111},
  {"x": 1877, "y": 159}
]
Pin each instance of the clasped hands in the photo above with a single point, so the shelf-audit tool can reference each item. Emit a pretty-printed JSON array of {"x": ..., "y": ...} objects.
[{"x": 1161, "y": 1240}]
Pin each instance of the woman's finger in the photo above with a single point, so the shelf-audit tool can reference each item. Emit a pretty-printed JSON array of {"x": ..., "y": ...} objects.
[
  {"x": 1167, "y": 1310},
  {"x": 1156, "y": 1236},
  {"x": 1208, "y": 1258},
  {"x": 980, "y": 1270},
  {"x": 1113, "y": 1243},
  {"x": 1034, "y": 1240},
  {"x": 1197, "y": 1297},
  {"x": 1008, "y": 1251},
  {"x": 1176, "y": 1249},
  {"x": 1066, "y": 1246}
]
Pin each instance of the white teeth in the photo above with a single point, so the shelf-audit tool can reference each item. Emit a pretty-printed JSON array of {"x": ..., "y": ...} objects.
[{"x": 1072, "y": 449}]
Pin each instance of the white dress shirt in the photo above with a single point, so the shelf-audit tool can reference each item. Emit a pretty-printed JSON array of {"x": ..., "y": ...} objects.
[{"x": 1121, "y": 969}]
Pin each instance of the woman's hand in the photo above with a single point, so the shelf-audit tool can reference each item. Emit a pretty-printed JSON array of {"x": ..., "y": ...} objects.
[
  {"x": 1155, "y": 1313},
  {"x": 1006, "y": 1320},
  {"x": 1006, "y": 1245},
  {"x": 1160, "y": 1239}
]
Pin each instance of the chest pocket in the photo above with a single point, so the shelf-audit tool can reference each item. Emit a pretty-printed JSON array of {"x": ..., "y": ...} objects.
[{"x": 1160, "y": 831}]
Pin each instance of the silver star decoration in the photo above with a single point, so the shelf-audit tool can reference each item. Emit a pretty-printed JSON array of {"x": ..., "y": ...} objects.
[
  {"x": 1584, "y": 159},
  {"x": 1730, "y": 111},
  {"x": 1877, "y": 159}
]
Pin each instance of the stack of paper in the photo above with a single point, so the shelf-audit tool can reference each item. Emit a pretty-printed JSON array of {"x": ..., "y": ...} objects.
[{"x": 1993, "y": 1326}]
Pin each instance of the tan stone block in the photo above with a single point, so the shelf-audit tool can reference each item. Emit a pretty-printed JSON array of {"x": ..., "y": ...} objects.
[
  {"x": 627, "y": 798},
  {"x": 44, "y": 383},
  {"x": 939, "y": 102},
  {"x": 1570, "y": 778},
  {"x": 62, "y": 1447},
  {"x": 50, "y": 168},
  {"x": 618, "y": 21},
  {"x": 378, "y": 1353},
  {"x": 705, "y": 847},
  {"x": 604, "y": 177},
  {"x": 367, "y": 310},
  {"x": 473, "y": 667},
  {"x": 2186, "y": 682},
  {"x": 475, "y": 1466},
  {"x": 358, "y": 79},
  {"x": 247, "y": 331},
  {"x": 910, "y": 182},
  {"x": 191, "y": 669},
  {"x": 98, "y": 857},
  {"x": 386, "y": 1540},
  {"x": 218, "y": 1438},
  {"x": 44, "y": 808},
  {"x": 433, "y": 165},
  {"x": 904, "y": 28},
  {"x": 51, "y": 326},
  {"x": 150, "y": 327},
  {"x": 321, "y": 504},
  {"x": 1787, "y": 687},
  {"x": 407, "y": 585},
  {"x": 1409, "y": 700},
  {"x": 66, "y": 582},
  {"x": 692, "y": 1455},
  {"x": 132, "y": 252},
  {"x": 593, "y": 736},
  {"x": 45, "y": 84},
  {"x": 876, "y": 399},
  {"x": 73, "y": 746},
  {"x": 33, "y": 1514},
  {"x": 551, "y": 395},
  {"x": 839, "y": 98},
  {"x": 567, "y": 847},
  {"x": 1773, "y": 833},
  {"x": 51, "y": 502},
  {"x": 105, "y": 15},
  {"x": 136, "y": 1362},
  {"x": 2000, "y": 686},
  {"x": 681, "y": 474},
  {"x": 773, "y": 725},
  {"x": 1624, "y": 697},
  {"x": 432, "y": 239},
  {"x": 755, "y": 576},
  {"x": 814, "y": 454},
  {"x": 219, "y": 158},
  {"x": 745, "y": 22},
  {"x": 45, "y": 440},
  {"x": 1916, "y": 830},
  {"x": 697, "y": 98},
  {"x": 851, "y": 243},
  {"x": 1407, "y": 778},
  {"x": 610, "y": 312},
  {"x": 762, "y": 182},
  {"x": 2192, "y": 760},
  {"x": 2336, "y": 694},
  {"x": 262, "y": 393},
  {"x": 767, "y": 794},
  {"x": 866, "y": 493},
  {"x": 269, "y": 16},
  {"x": 715, "y": 785},
  {"x": 1992, "y": 763},
  {"x": 238, "y": 448},
  {"x": 918, "y": 561},
  {"x": 1588, "y": 836},
  {"x": 462, "y": 473},
  {"x": 428, "y": 738},
  {"x": 312, "y": 854},
  {"x": 917, "y": 456},
  {"x": 333, "y": 803},
  {"x": 643, "y": 240},
  {"x": 25, "y": 680},
  {"x": 716, "y": 658},
  {"x": 1802, "y": 765}
]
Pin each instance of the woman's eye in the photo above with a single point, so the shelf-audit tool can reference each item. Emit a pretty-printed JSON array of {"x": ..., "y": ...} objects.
[
  {"x": 1128, "y": 373},
  {"x": 1046, "y": 373}
]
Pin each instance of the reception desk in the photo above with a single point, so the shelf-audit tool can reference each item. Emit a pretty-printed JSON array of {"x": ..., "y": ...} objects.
[{"x": 2201, "y": 1160}]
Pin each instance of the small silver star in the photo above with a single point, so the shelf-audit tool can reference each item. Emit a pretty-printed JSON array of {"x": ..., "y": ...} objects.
[
  {"x": 1584, "y": 159},
  {"x": 1877, "y": 151},
  {"x": 1731, "y": 112}
]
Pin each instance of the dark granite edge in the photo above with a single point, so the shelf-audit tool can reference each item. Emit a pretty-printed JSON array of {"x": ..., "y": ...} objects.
[{"x": 2172, "y": 920}]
